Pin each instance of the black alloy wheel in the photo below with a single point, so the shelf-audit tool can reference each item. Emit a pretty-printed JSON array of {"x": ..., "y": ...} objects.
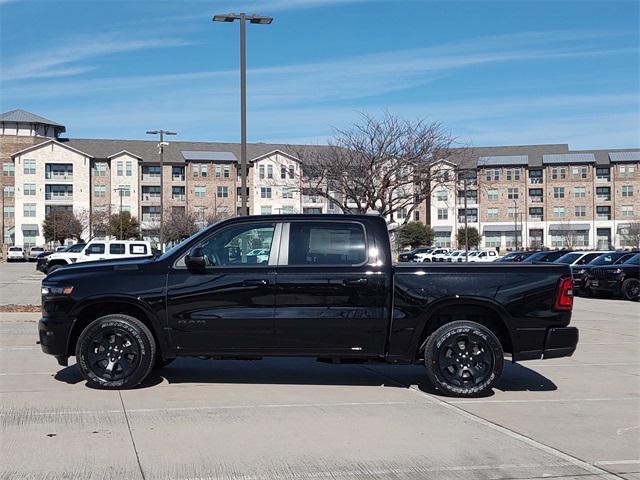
[
  {"x": 464, "y": 359},
  {"x": 631, "y": 289},
  {"x": 115, "y": 351}
]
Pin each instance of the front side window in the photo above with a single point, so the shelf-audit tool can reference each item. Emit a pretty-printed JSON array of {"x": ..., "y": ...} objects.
[
  {"x": 326, "y": 243},
  {"x": 239, "y": 245},
  {"x": 95, "y": 249},
  {"x": 116, "y": 249}
]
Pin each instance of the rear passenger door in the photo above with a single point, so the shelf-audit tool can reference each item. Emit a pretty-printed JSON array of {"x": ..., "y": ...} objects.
[{"x": 327, "y": 300}]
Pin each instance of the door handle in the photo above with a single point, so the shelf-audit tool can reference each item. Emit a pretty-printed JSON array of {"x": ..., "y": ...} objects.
[
  {"x": 255, "y": 282},
  {"x": 355, "y": 281}
]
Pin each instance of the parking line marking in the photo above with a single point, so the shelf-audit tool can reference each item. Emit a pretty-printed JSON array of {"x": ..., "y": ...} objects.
[
  {"x": 510, "y": 433},
  {"x": 6, "y": 349},
  {"x": 617, "y": 462},
  {"x": 586, "y": 365},
  {"x": 544, "y": 400},
  {"x": 12, "y": 374}
]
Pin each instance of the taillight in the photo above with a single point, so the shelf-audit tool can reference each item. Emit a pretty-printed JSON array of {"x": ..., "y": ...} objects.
[{"x": 564, "y": 295}]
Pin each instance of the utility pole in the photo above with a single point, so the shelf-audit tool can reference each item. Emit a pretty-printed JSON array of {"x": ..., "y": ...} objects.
[
  {"x": 120, "y": 190},
  {"x": 256, "y": 19},
  {"x": 515, "y": 221},
  {"x": 161, "y": 146}
]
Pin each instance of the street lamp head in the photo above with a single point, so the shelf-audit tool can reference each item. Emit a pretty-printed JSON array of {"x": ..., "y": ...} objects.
[
  {"x": 226, "y": 18},
  {"x": 152, "y": 132},
  {"x": 260, "y": 20},
  {"x": 170, "y": 133}
]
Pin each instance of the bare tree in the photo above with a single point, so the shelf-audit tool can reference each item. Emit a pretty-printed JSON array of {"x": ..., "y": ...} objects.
[
  {"x": 59, "y": 225},
  {"x": 631, "y": 235},
  {"x": 179, "y": 225},
  {"x": 384, "y": 165}
]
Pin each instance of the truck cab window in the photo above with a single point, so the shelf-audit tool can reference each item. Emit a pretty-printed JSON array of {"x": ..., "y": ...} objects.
[
  {"x": 326, "y": 243},
  {"x": 239, "y": 245},
  {"x": 95, "y": 249}
]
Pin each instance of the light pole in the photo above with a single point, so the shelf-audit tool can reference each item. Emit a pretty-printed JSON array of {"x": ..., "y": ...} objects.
[
  {"x": 242, "y": 17},
  {"x": 515, "y": 221},
  {"x": 161, "y": 146},
  {"x": 121, "y": 189}
]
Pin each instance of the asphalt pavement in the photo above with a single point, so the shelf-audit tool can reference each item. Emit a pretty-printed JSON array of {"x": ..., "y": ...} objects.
[
  {"x": 20, "y": 283},
  {"x": 300, "y": 419}
]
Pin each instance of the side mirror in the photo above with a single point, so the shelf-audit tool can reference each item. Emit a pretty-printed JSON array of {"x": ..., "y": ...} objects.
[{"x": 195, "y": 261}]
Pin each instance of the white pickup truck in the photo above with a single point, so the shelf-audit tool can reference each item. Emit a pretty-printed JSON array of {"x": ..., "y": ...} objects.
[
  {"x": 484, "y": 256},
  {"x": 98, "y": 250}
]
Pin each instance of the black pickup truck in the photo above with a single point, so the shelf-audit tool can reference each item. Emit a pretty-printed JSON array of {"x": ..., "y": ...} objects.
[{"x": 304, "y": 285}]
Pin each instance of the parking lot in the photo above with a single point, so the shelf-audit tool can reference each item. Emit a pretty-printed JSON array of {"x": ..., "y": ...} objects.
[{"x": 299, "y": 419}]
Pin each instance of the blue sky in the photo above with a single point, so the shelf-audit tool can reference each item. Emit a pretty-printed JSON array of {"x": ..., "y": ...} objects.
[{"x": 494, "y": 73}]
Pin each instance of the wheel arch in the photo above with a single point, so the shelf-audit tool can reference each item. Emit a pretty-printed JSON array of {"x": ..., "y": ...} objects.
[
  {"x": 92, "y": 309},
  {"x": 481, "y": 311}
]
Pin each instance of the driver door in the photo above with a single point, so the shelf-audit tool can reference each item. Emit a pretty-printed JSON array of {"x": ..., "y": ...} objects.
[{"x": 229, "y": 308}]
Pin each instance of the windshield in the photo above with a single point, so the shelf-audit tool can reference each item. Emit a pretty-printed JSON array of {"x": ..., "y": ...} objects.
[
  {"x": 78, "y": 247},
  {"x": 568, "y": 258},
  {"x": 537, "y": 257},
  {"x": 15, "y": 249},
  {"x": 635, "y": 260},
  {"x": 178, "y": 246}
]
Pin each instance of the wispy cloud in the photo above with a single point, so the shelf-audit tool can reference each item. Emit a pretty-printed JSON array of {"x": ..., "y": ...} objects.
[{"x": 60, "y": 60}]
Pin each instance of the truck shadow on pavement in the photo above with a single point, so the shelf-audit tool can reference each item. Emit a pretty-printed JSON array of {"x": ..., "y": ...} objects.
[{"x": 307, "y": 371}]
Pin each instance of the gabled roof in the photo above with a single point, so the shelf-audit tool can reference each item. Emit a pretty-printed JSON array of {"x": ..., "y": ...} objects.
[
  {"x": 22, "y": 116},
  {"x": 276, "y": 151},
  {"x": 42, "y": 144},
  {"x": 123, "y": 152}
]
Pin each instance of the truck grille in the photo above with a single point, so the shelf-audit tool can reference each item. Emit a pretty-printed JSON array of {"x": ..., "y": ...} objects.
[{"x": 602, "y": 274}]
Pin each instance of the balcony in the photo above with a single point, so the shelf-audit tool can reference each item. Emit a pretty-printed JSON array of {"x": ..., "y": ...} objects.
[
  {"x": 175, "y": 178},
  {"x": 50, "y": 197},
  {"x": 536, "y": 181},
  {"x": 536, "y": 200},
  {"x": 603, "y": 198},
  {"x": 178, "y": 197},
  {"x": 151, "y": 218},
  {"x": 59, "y": 176},
  {"x": 470, "y": 219},
  {"x": 536, "y": 218}
]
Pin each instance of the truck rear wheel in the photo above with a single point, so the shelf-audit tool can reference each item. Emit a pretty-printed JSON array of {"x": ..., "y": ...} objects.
[
  {"x": 631, "y": 289},
  {"x": 115, "y": 351},
  {"x": 463, "y": 359}
]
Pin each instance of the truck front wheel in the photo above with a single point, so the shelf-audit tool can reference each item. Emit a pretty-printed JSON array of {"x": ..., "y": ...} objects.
[
  {"x": 631, "y": 289},
  {"x": 463, "y": 359},
  {"x": 115, "y": 351}
]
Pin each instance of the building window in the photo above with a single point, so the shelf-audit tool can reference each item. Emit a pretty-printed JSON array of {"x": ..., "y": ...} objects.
[
  {"x": 9, "y": 211},
  {"x": 492, "y": 239},
  {"x": 8, "y": 191},
  {"x": 416, "y": 213},
  {"x": 511, "y": 212},
  {"x": 579, "y": 172},
  {"x": 265, "y": 192},
  {"x": 100, "y": 190},
  {"x": 513, "y": 174},
  {"x": 292, "y": 172},
  {"x": 8, "y": 169},
  {"x": 287, "y": 192},
  {"x": 493, "y": 175},
  {"x": 226, "y": 171},
  {"x": 492, "y": 194},
  {"x": 177, "y": 173},
  {"x": 261, "y": 171},
  {"x": 558, "y": 212},
  {"x": 603, "y": 193},
  {"x": 269, "y": 171},
  {"x": 442, "y": 240},
  {"x": 196, "y": 170},
  {"x": 627, "y": 210},
  {"x": 100, "y": 169},
  {"x": 558, "y": 173},
  {"x": 29, "y": 189},
  {"x": 177, "y": 193},
  {"x": 200, "y": 191},
  {"x": 581, "y": 211},
  {"x": 265, "y": 210},
  {"x": 603, "y": 173},
  {"x": 580, "y": 192},
  {"x": 218, "y": 171},
  {"x": 119, "y": 168},
  {"x": 29, "y": 167},
  {"x": 441, "y": 195},
  {"x": 29, "y": 210},
  {"x": 128, "y": 168},
  {"x": 513, "y": 193},
  {"x": 443, "y": 214},
  {"x": 603, "y": 213},
  {"x": 627, "y": 190},
  {"x": 536, "y": 213},
  {"x": 627, "y": 170},
  {"x": 223, "y": 192},
  {"x": 203, "y": 170},
  {"x": 558, "y": 192},
  {"x": 492, "y": 213},
  {"x": 283, "y": 171}
]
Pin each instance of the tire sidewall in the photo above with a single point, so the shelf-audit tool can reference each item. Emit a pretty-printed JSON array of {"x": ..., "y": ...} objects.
[
  {"x": 438, "y": 339},
  {"x": 133, "y": 327},
  {"x": 626, "y": 286}
]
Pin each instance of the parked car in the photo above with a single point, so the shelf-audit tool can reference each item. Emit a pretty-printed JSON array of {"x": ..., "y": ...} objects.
[
  {"x": 622, "y": 279},
  {"x": 485, "y": 256},
  {"x": 410, "y": 256},
  {"x": 99, "y": 250},
  {"x": 60, "y": 258},
  {"x": 547, "y": 256},
  {"x": 453, "y": 256},
  {"x": 516, "y": 256},
  {"x": 581, "y": 273},
  {"x": 336, "y": 296},
  {"x": 578, "y": 258},
  {"x": 34, "y": 252},
  {"x": 435, "y": 255},
  {"x": 16, "y": 254}
]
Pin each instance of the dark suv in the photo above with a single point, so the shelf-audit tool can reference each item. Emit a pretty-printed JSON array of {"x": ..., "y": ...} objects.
[
  {"x": 580, "y": 273},
  {"x": 623, "y": 279}
]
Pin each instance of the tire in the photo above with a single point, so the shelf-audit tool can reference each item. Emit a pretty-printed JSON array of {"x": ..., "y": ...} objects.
[
  {"x": 101, "y": 361},
  {"x": 451, "y": 371},
  {"x": 426, "y": 260},
  {"x": 53, "y": 268},
  {"x": 631, "y": 289}
]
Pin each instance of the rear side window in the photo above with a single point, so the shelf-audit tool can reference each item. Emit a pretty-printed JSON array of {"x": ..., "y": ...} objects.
[
  {"x": 326, "y": 243},
  {"x": 137, "y": 249},
  {"x": 95, "y": 249},
  {"x": 116, "y": 249}
]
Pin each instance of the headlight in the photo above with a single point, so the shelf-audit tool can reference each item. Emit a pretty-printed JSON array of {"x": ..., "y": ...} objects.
[
  {"x": 618, "y": 271},
  {"x": 582, "y": 271},
  {"x": 56, "y": 290}
]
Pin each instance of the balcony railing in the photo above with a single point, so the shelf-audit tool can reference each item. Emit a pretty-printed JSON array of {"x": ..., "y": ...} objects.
[
  {"x": 535, "y": 181},
  {"x": 604, "y": 198},
  {"x": 151, "y": 197},
  {"x": 603, "y": 178},
  {"x": 177, "y": 178},
  {"x": 150, "y": 218},
  {"x": 58, "y": 176},
  {"x": 58, "y": 198},
  {"x": 178, "y": 197},
  {"x": 536, "y": 199},
  {"x": 470, "y": 219},
  {"x": 535, "y": 218}
]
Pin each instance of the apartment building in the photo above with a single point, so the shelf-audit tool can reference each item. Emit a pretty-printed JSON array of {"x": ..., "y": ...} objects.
[{"x": 539, "y": 196}]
